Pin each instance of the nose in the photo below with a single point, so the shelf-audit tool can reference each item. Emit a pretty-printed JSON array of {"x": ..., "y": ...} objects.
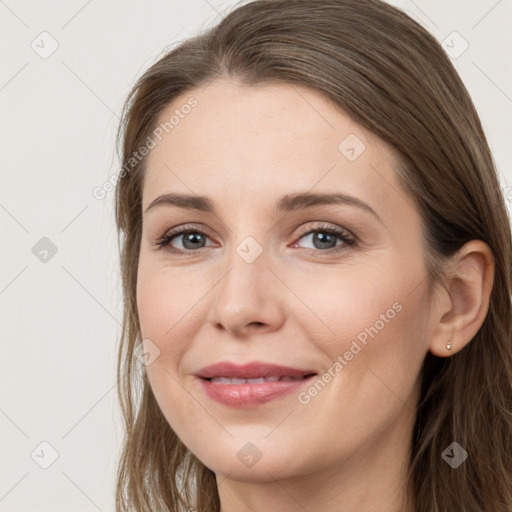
[{"x": 248, "y": 299}]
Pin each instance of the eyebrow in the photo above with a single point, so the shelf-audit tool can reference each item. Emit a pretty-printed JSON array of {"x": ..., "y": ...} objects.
[{"x": 287, "y": 203}]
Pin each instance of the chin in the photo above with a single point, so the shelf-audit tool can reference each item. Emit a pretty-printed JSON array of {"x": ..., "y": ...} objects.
[{"x": 244, "y": 462}]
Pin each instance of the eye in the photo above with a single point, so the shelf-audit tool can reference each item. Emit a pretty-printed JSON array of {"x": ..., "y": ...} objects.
[
  {"x": 191, "y": 239},
  {"x": 324, "y": 238}
]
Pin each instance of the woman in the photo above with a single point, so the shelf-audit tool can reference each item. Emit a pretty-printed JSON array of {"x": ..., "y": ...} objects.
[{"x": 316, "y": 270}]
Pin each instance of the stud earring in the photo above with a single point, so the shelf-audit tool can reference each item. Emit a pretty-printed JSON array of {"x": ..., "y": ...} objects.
[{"x": 449, "y": 345}]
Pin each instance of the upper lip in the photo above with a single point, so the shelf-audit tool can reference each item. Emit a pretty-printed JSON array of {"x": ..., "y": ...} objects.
[{"x": 252, "y": 370}]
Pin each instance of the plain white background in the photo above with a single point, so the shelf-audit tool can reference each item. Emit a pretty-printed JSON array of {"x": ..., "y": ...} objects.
[{"x": 60, "y": 318}]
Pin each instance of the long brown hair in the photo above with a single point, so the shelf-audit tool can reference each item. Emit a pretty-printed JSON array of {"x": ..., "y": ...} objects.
[{"x": 391, "y": 76}]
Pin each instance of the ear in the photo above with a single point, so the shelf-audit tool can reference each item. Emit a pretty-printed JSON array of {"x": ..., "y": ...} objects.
[{"x": 462, "y": 307}]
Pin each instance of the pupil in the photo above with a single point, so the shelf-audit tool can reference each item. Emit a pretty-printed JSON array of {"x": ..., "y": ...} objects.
[
  {"x": 191, "y": 237},
  {"x": 322, "y": 239}
]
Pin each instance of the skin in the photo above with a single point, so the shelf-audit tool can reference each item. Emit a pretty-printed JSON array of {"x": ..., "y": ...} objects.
[{"x": 346, "y": 449}]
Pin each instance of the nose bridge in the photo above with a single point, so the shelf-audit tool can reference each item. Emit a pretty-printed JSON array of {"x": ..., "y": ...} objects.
[
  {"x": 244, "y": 295},
  {"x": 246, "y": 264}
]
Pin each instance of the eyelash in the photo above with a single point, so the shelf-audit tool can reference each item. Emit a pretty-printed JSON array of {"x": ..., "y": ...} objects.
[{"x": 348, "y": 240}]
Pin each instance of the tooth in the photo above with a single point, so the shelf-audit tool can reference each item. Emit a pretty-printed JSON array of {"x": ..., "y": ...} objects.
[
  {"x": 259, "y": 380},
  {"x": 222, "y": 380}
]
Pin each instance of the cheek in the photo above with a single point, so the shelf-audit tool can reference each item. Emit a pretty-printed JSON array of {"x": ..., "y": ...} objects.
[
  {"x": 162, "y": 317},
  {"x": 343, "y": 304},
  {"x": 162, "y": 313},
  {"x": 152, "y": 303},
  {"x": 372, "y": 319},
  {"x": 379, "y": 349}
]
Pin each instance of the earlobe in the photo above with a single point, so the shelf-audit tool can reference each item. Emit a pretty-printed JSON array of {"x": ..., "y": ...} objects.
[{"x": 468, "y": 289}]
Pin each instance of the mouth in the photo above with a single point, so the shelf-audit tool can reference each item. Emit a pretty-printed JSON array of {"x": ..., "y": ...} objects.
[
  {"x": 259, "y": 380},
  {"x": 251, "y": 384},
  {"x": 251, "y": 371}
]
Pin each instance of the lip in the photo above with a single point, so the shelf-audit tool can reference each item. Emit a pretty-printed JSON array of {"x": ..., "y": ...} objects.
[{"x": 251, "y": 394}]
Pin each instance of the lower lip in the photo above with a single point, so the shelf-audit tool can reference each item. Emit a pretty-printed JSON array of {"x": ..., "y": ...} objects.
[{"x": 251, "y": 395}]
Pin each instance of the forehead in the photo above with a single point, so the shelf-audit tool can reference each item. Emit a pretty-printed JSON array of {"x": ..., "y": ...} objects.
[{"x": 255, "y": 141}]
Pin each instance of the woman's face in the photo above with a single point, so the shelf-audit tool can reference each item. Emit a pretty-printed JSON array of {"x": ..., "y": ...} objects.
[{"x": 335, "y": 289}]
